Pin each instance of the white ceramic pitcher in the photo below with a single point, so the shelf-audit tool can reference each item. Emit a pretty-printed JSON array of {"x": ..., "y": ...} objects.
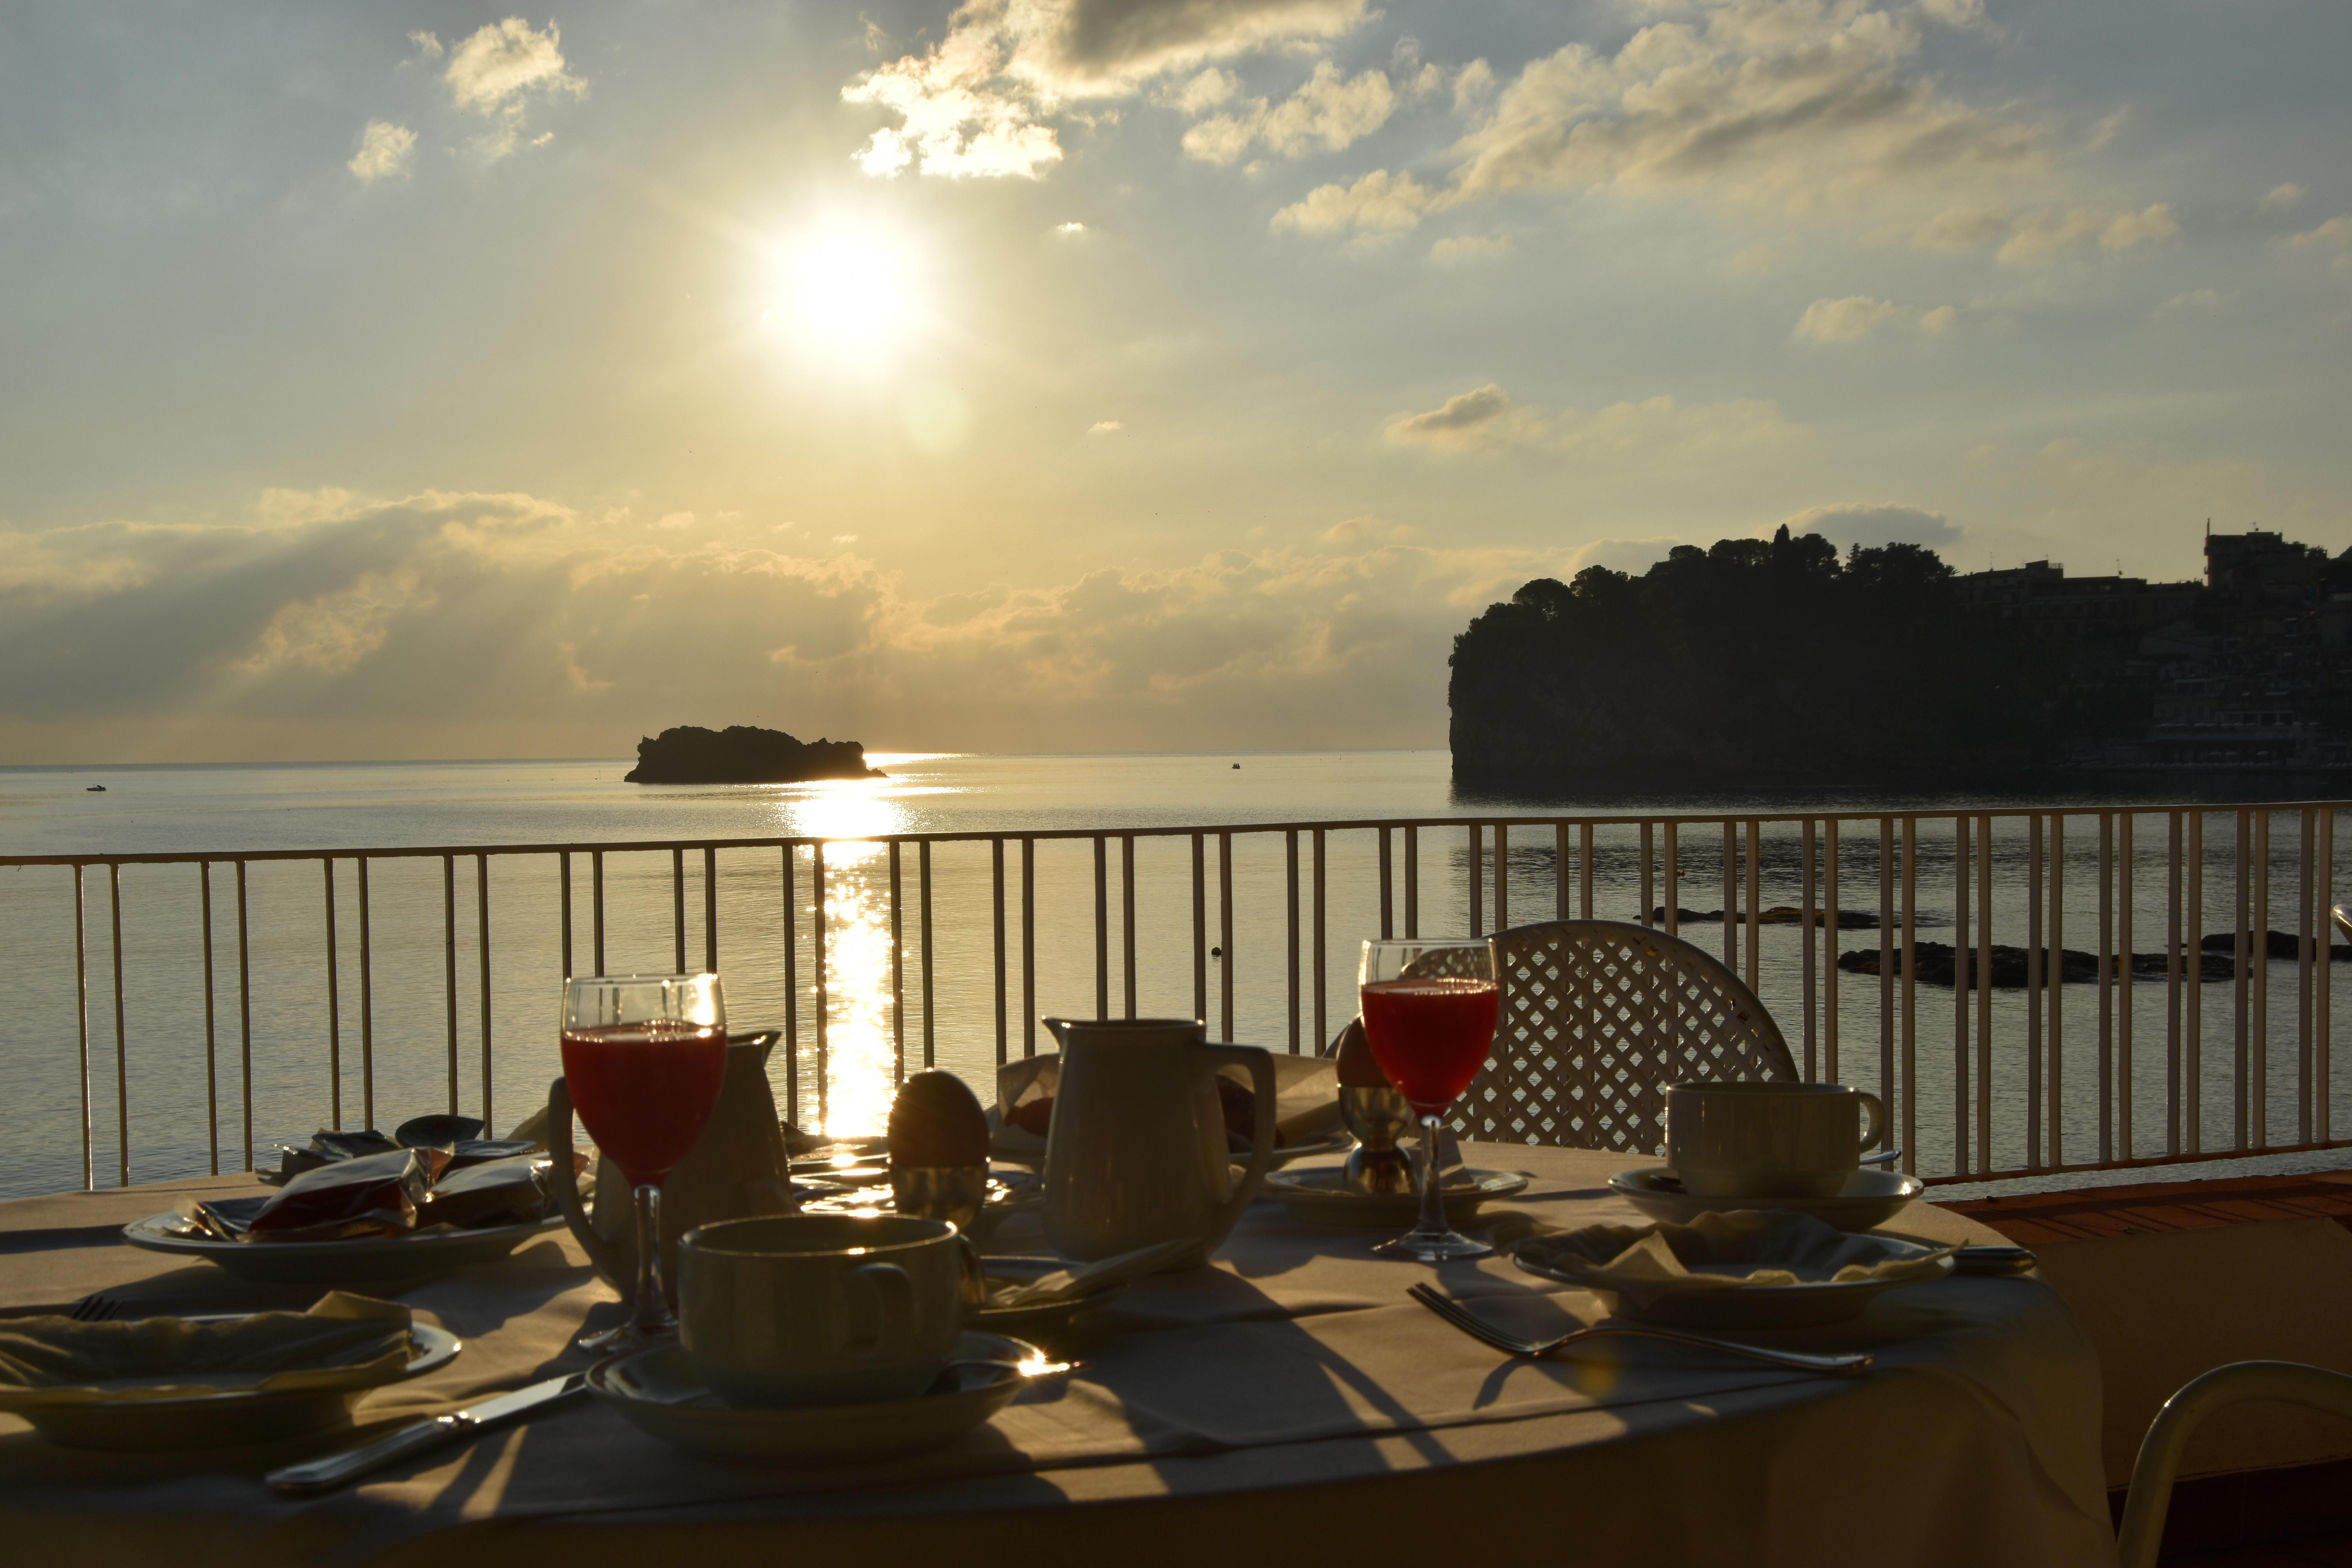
[{"x": 1136, "y": 1154}]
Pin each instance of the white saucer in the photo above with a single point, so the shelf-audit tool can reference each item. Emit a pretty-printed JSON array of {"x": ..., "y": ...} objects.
[
  {"x": 1046, "y": 1319},
  {"x": 230, "y": 1416},
  {"x": 1800, "y": 1305},
  {"x": 1871, "y": 1198},
  {"x": 359, "y": 1260},
  {"x": 1320, "y": 1196},
  {"x": 662, "y": 1393}
]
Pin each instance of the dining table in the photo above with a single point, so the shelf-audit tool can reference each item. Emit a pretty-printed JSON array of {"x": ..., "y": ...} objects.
[{"x": 1288, "y": 1402}]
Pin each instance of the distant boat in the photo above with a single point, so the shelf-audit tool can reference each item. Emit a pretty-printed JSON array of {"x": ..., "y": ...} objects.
[
  {"x": 1237, "y": 767},
  {"x": 97, "y": 789}
]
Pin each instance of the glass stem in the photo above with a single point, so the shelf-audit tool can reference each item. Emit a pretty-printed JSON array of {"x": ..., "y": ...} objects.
[
  {"x": 650, "y": 1308},
  {"x": 1432, "y": 1208}
]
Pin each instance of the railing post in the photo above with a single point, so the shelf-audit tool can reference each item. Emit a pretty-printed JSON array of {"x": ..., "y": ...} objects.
[
  {"x": 2172, "y": 975},
  {"x": 710, "y": 909},
  {"x": 1290, "y": 941},
  {"x": 1126, "y": 917},
  {"x": 1322, "y": 957},
  {"x": 1388, "y": 885},
  {"x": 996, "y": 889},
  {"x": 1668, "y": 911},
  {"x": 1806, "y": 941},
  {"x": 1911, "y": 989},
  {"x": 2323, "y": 1075},
  {"x": 1730, "y": 895},
  {"x": 677, "y": 904},
  {"x": 2260, "y": 939},
  {"x": 596, "y": 899},
  {"x": 81, "y": 1023},
  {"x": 1502, "y": 875},
  {"x": 1225, "y": 934},
  {"x": 2303, "y": 886},
  {"x": 818, "y": 938},
  {"x": 1559, "y": 870},
  {"x": 2107, "y": 972},
  {"x": 1755, "y": 898},
  {"x": 2057, "y": 988},
  {"x": 790, "y": 874},
  {"x": 367, "y": 1003},
  {"x": 1476, "y": 901},
  {"x": 1200, "y": 928},
  {"x": 1028, "y": 947},
  {"x": 923, "y": 887},
  {"x": 2129, "y": 972},
  {"x": 1102, "y": 927},
  {"x": 2036, "y": 954},
  {"x": 1983, "y": 974},
  {"x": 1830, "y": 955},
  {"x": 1412, "y": 882},
  {"x": 245, "y": 1011},
  {"x": 448, "y": 971},
  {"x": 1962, "y": 982},
  {"x": 334, "y": 1004},
  {"x": 564, "y": 902},
  {"x": 122, "y": 1036},
  {"x": 898, "y": 971},
  {"x": 2242, "y": 948},
  {"x": 212, "y": 1070},
  {"x": 2192, "y": 1009},
  {"x": 1886, "y": 1011},
  {"x": 1649, "y": 887},
  {"x": 482, "y": 895}
]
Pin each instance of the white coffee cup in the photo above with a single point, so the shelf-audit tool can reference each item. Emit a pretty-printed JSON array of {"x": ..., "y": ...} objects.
[
  {"x": 1768, "y": 1140},
  {"x": 820, "y": 1308}
]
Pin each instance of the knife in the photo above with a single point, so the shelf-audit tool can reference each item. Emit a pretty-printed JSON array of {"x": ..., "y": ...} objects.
[{"x": 458, "y": 1426}]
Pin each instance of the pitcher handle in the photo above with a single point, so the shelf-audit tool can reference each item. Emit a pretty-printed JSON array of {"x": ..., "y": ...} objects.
[
  {"x": 1875, "y": 1111},
  {"x": 1261, "y": 1069},
  {"x": 602, "y": 1253}
]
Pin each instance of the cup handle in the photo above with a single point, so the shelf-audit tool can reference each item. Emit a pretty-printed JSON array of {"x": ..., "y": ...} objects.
[
  {"x": 893, "y": 1316},
  {"x": 1876, "y": 1110},
  {"x": 606, "y": 1257},
  {"x": 1260, "y": 1069}
]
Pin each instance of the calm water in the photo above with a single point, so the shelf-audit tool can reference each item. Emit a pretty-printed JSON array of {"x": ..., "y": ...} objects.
[{"x": 300, "y": 1063}]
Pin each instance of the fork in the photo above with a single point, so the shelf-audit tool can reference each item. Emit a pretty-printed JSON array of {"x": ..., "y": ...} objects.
[
  {"x": 1853, "y": 1363},
  {"x": 95, "y": 1308}
]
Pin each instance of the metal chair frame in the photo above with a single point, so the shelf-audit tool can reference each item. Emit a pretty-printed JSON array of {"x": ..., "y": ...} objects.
[{"x": 2150, "y": 1496}]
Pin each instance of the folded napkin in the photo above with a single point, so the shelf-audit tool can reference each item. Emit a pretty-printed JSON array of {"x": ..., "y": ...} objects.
[
  {"x": 1744, "y": 1249},
  {"x": 1069, "y": 1284},
  {"x": 344, "y": 1341}
]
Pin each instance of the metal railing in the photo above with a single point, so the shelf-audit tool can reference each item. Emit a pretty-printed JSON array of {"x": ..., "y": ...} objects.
[{"x": 2127, "y": 1076}]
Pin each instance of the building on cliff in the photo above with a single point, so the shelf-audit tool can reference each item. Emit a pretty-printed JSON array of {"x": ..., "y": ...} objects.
[{"x": 1761, "y": 660}]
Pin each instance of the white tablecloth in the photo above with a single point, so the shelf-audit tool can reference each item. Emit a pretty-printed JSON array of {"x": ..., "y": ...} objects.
[{"x": 1288, "y": 1399}]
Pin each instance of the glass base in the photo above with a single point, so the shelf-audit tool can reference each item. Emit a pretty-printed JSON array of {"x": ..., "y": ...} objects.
[
  {"x": 631, "y": 1338},
  {"x": 1433, "y": 1246}
]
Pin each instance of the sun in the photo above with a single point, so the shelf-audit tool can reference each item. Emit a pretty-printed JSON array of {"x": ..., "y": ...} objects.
[{"x": 852, "y": 294}]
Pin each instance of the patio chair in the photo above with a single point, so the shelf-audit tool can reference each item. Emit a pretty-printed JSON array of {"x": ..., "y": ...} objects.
[
  {"x": 2151, "y": 1495},
  {"x": 1597, "y": 1018}
]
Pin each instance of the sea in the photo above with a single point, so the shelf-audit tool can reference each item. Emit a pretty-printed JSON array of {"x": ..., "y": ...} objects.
[{"x": 227, "y": 1049}]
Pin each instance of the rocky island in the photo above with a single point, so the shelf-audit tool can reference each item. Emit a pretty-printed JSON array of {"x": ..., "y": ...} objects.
[{"x": 742, "y": 753}]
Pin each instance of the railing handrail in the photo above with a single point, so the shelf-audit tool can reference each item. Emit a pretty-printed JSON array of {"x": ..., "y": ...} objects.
[{"x": 1014, "y": 834}]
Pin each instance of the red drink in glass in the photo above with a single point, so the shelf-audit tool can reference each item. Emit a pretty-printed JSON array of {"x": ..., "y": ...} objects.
[
  {"x": 1431, "y": 1037},
  {"x": 644, "y": 1090}
]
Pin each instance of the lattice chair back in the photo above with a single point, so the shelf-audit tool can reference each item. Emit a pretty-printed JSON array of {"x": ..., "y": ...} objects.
[{"x": 1598, "y": 1018}]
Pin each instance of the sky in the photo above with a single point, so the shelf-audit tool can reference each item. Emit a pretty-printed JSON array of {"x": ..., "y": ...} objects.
[{"x": 433, "y": 380}]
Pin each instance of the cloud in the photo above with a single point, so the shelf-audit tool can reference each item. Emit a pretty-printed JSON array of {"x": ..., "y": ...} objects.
[
  {"x": 445, "y": 613},
  {"x": 1457, "y": 249},
  {"x": 675, "y": 519},
  {"x": 2333, "y": 236},
  {"x": 1105, "y": 427},
  {"x": 979, "y": 102},
  {"x": 1487, "y": 420},
  {"x": 1858, "y": 316},
  {"x": 2195, "y": 302},
  {"x": 1070, "y": 230},
  {"x": 1632, "y": 556},
  {"x": 2051, "y": 234},
  {"x": 1330, "y": 111},
  {"x": 383, "y": 152},
  {"x": 499, "y": 69},
  {"x": 2280, "y": 198},
  {"x": 1377, "y": 203},
  {"x": 1849, "y": 523},
  {"x": 1791, "y": 104},
  {"x": 1961, "y": 228}
]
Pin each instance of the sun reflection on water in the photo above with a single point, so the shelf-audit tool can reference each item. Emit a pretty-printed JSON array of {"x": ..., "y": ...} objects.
[{"x": 860, "y": 1077}]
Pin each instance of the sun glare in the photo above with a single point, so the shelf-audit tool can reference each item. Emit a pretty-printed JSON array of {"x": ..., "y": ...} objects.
[{"x": 853, "y": 294}]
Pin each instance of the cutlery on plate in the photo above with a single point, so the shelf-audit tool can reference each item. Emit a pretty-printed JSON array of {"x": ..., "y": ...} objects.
[
  {"x": 1853, "y": 1363},
  {"x": 1993, "y": 1260},
  {"x": 422, "y": 1437}
]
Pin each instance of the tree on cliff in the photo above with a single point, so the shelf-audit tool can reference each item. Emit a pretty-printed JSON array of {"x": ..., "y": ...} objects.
[{"x": 1755, "y": 658}]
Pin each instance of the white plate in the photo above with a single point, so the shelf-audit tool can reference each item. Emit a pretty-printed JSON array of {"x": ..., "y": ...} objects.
[
  {"x": 1871, "y": 1198},
  {"x": 1756, "y": 1306},
  {"x": 1321, "y": 1197},
  {"x": 661, "y": 1393},
  {"x": 361, "y": 1260},
  {"x": 231, "y": 1416}
]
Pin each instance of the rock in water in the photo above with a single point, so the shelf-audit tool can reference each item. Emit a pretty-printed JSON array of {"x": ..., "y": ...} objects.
[{"x": 740, "y": 753}]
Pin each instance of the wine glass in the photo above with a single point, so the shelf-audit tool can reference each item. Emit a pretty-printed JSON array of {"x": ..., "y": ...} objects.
[
  {"x": 644, "y": 1056},
  {"x": 1429, "y": 1016}
]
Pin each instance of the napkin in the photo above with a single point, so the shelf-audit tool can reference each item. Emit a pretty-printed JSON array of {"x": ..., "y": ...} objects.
[
  {"x": 1744, "y": 1249},
  {"x": 344, "y": 1341}
]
